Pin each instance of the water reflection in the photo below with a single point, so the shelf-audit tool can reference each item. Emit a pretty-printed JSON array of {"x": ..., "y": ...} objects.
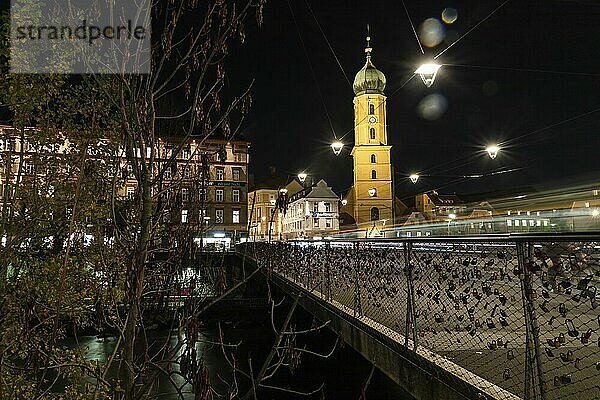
[{"x": 342, "y": 375}]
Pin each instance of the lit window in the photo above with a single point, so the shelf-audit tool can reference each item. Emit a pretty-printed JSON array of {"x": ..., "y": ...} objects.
[
  {"x": 184, "y": 216},
  {"x": 372, "y": 133},
  {"x": 167, "y": 173},
  {"x": 219, "y": 195},
  {"x": 315, "y": 207},
  {"x": 374, "y": 214},
  {"x": 539, "y": 222},
  {"x": 328, "y": 223},
  {"x": 373, "y": 159},
  {"x": 236, "y": 175},
  {"x": 587, "y": 204},
  {"x": 219, "y": 216},
  {"x": 236, "y": 216},
  {"x": 508, "y": 222},
  {"x": 236, "y": 195},
  {"x": 371, "y": 109},
  {"x": 516, "y": 222},
  {"x": 130, "y": 192},
  {"x": 373, "y": 174},
  {"x": 220, "y": 174},
  {"x": 327, "y": 207},
  {"x": 316, "y": 222},
  {"x": 185, "y": 194}
]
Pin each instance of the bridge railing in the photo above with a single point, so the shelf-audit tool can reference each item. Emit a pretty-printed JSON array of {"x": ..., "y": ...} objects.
[{"x": 518, "y": 311}]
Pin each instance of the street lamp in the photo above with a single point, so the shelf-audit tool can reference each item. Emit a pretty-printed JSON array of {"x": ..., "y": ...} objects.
[
  {"x": 427, "y": 72},
  {"x": 372, "y": 192},
  {"x": 302, "y": 176},
  {"x": 493, "y": 151},
  {"x": 344, "y": 202},
  {"x": 337, "y": 147},
  {"x": 283, "y": 191},
  {"x": 414, "y": 178}
]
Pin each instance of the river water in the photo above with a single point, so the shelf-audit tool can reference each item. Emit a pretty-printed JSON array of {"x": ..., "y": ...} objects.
[{"x": 342, "y": 375}]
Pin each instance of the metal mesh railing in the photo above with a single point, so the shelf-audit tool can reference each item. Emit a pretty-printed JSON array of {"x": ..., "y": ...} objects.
[{"x": 520, "y": 313}]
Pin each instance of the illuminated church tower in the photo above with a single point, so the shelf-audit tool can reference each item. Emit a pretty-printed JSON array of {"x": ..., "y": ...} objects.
[{"x": 372, "y": 194}]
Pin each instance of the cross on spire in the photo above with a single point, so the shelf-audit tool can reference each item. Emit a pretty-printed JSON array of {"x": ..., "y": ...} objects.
[{"x": 368, "y": 49}]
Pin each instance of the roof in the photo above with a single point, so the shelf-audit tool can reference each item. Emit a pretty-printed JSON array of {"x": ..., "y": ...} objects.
[
  {"x": 321, "y": 190},
  {"x": 443, "y": 200}
]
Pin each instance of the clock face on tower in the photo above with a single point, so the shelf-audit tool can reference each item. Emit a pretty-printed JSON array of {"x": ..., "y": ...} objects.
[{"x": 372, "y": 119}]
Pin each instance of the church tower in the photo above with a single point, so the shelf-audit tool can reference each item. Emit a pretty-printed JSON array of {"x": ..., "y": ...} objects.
[{"x": 372, "y": 190}]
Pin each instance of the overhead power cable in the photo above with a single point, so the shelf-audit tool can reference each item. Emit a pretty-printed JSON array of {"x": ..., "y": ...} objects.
[
  {"x": 472, "y": 29},
  {"x": 413, "y": 27},
  {"x": 312, "y": 71},
  {"x": 328, "y": 43}
]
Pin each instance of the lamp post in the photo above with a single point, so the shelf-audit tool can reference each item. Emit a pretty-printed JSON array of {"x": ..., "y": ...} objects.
[
  {"x": 337, "y": 147},
  {"x": 279, "y": 204},
  {"x": 428, "y": 72},
  {"x": 302, "y": 177},
  {"x": 414, "y": 178},
  {"x": 492, "y": 151}
]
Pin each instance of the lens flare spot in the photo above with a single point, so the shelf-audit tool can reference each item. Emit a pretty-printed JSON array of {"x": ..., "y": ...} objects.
[
  {"x": 449, "y": 15},
  {"x": 432, "y": 107},
  {"x": 431, "y": 32}
]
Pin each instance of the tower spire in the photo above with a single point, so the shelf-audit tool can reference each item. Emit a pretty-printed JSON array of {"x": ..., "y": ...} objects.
[{"x": 368, "y": 49}]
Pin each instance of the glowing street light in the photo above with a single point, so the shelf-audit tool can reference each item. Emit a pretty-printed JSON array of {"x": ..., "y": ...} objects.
[
  {"x": 452, "y": 216},
  {"x": 344, "y": 202},
  {"x": 595, "y": 212},
  {"x": 302, "y": 176},
  {"x": 283, "y": 191},
  {"x": 337, "y": 147},
  {"x": 272, "y": 201},
  {"x": 427, "y": 72},
  {"x": 372, "y": 192},
  {"x": 414, "y": 178},
  {"x": 493, "y": 151}
]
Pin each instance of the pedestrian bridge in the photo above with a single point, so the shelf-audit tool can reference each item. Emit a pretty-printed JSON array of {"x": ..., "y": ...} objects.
[{"x": 503, "y": 317}]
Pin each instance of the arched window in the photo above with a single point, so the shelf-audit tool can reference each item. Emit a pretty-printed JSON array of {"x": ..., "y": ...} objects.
[
  {"x": 373, "y": 159},
  {"x": 373, "y": 174},
  {"x": 372, "y": 133},
  {"x": 371, "y": 109},
  {"x": 374, "y": 214}
]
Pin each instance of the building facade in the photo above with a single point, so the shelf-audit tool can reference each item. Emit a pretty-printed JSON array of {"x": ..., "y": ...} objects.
[
  {"x": 370, "y": 201},
  {"x": 205, "y": 183},
  {"x": 439, "y": 205},
  {"x": 311, "y": 212},
  {"x": 261, "y": 207}
]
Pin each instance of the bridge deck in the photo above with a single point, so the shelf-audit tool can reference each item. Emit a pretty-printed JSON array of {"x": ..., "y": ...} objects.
[{"x": 464, "y": 304}]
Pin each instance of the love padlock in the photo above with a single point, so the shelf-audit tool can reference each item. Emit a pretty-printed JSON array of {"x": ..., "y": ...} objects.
[
  {"x": 571, "y": 328},
  {"x": 567, "y": 357},
  {"x": 585, "y": 337}
]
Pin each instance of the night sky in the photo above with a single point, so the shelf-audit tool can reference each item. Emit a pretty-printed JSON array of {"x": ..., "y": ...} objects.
[{"x": 289, "y": 127}]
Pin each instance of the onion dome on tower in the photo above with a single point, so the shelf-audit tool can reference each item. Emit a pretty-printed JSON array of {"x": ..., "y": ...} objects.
[{"x": 369, "y": 79}]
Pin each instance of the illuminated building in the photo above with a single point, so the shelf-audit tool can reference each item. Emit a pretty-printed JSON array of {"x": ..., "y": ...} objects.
[
  {"x": 207, "y": 179},
  {"x": 370, "y": 199}
]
